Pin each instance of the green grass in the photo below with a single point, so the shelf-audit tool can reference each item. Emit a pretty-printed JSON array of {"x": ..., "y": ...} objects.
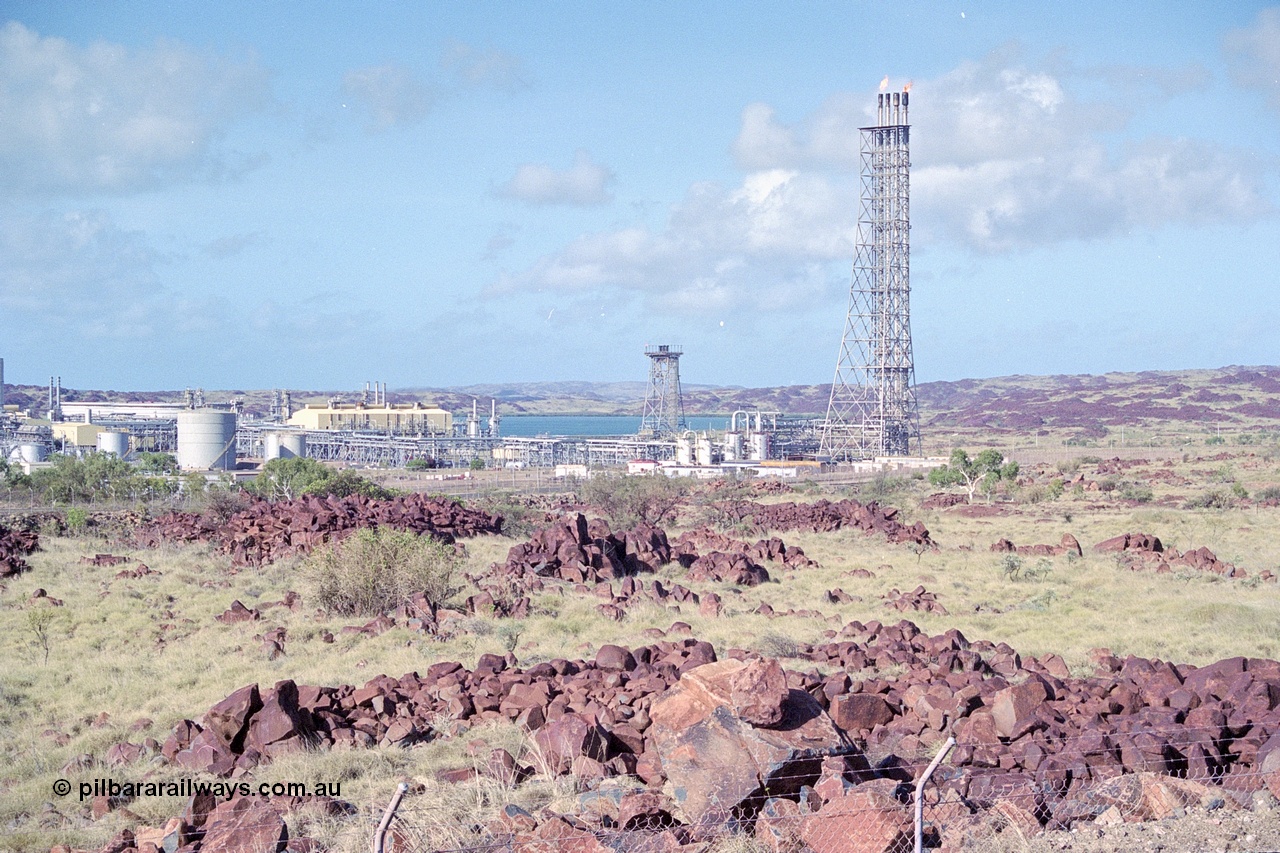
[{"x": 150, "y": 648}]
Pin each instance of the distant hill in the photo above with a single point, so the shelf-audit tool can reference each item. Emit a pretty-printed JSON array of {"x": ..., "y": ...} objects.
[{"x": 1239, "y": 397}]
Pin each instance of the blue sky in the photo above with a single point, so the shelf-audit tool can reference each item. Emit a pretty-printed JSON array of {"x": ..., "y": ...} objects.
[{"x": 311, "y": 195}]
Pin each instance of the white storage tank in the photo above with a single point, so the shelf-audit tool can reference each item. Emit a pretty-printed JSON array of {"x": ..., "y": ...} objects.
[
  {"x": 704, "y": 450},
  {"x": 207, "y": 439},
  {"x": 28, "y": 452},
  {"x": 684, "y": 450},
  {"x": 760, "y": 446},
  {"x": 114, "y": 441},
  {"x": 284, "y": 445},
  {"x": 732, "y": 446}
]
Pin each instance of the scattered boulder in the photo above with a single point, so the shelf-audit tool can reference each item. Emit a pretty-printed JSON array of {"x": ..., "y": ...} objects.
[{"x": 718, "y": 763}]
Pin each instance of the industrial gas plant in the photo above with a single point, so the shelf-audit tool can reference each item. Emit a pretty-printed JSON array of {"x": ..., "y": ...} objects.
[{"x": 872, "y": 419}]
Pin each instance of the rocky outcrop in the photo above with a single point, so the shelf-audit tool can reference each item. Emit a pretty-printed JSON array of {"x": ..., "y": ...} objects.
[
  {"x": 824, "y": 516},
  {"x": 269, "y": 530},
  {"x": 14, "y": 545},
  {"x": 1067, "y": 546}
]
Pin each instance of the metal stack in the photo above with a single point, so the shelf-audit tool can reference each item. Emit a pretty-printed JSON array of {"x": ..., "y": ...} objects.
[{"x": 872, "y": 410}]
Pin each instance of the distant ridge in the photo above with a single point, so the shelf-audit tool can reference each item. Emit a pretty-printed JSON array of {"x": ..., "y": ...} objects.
[{"x": 1090, "y": 404}]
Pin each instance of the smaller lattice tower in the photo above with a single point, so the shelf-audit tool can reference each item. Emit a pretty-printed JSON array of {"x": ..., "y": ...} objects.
[{"x": 663, "y": 404}]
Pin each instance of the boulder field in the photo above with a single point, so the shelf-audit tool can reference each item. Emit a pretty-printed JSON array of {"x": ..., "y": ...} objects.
[{"x": 795, "y": 756}]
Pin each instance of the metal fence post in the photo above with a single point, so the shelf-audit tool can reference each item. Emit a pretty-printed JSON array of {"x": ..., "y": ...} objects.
[
  {"x": 933, "y": 765},
  {"x": 380, "y": 834}
]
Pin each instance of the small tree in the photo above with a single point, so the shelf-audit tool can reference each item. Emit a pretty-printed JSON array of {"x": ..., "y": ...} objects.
[
  {"x": 985, "y": 471},
  {"x": 287, "y": 478},
  {"x": 157, "y": 463},
  {"x": 633, "y": 499}
]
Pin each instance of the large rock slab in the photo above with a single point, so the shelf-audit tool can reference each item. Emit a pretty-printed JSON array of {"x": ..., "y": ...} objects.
[{"x": 717, "y": 763}]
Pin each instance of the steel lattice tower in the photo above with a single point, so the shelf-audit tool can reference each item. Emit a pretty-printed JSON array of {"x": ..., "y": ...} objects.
[
  {"x": 663, "y": 404},
  {"x": 872, "y": 410}
]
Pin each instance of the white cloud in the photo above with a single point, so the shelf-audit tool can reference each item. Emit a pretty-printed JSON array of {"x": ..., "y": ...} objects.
[
  {"x": 474, "y": 67},
  {"x": 583, "y": 183},
  {"x": 104, "y": 118},
  {"x": 760, "y": 246},
  {"x": 77, "y": 273},
  {"x": 1254, "y": 54},
  {"x": 1006, "y": 156},
  {"x": 390, "y": 95}
]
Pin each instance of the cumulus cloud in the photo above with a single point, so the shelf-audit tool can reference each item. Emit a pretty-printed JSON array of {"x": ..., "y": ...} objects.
[
  {"x": 583, "y": 183},
  {"x": 1012, "y": 158},
  {"x": 390, "y": 95},
  {"x": 474, "y": 67},
  {"x": 1254, "y": 54},
  {"x": 761, "y": 245},
  {"x": 105, "y": 118},
  {"x": 78, "y": 273},
  {"x": 1006, "y": 156}
]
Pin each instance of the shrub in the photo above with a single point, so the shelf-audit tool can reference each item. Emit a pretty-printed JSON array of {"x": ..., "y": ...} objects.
[
  {"x": 1136, "y": 492},
  {"x": 1270, "y": 493},
  {"x": 631, "y": 500},
  {"x": 1211, "y": 499},
  {"x": 1011, "y": 566},
  {"x": 375, "y": 570},
  {"x": 77, "y": 519},
  {"x": 290, "y": 478}
]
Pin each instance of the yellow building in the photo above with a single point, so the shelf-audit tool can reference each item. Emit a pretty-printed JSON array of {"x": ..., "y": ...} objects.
[
  {"x": 410, "y": 418},
  {"x": 81, "y": 435}
]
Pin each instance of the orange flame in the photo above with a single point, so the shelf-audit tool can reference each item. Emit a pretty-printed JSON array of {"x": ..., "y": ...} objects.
[
  {"x": 884, "y": 84},
  {"x": 907, "y": 88}
]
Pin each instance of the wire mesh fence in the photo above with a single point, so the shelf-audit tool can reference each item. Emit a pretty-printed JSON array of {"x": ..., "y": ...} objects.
[{"x": 842, "y": 806}]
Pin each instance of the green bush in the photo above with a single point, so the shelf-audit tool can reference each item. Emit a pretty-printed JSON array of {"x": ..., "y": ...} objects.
[
  {"x": 631, "y": 500},
  {"x": 297, "y": 476},
  {"x": 1136, "y": 492},
  {"x": 98, "y": 477},
  {"x": 77, "y": 520},
  {"x": 375, "y": 570},
  {"x": 1211, "y": 499}
]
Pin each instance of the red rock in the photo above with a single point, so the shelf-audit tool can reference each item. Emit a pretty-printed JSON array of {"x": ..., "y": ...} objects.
[
  {"x": 715, "y": 761},
  {"x": 560, "y": 741},
  {"x": 854, "y": 712},
  {"x": 859, "y": 821},
  {"x": 1013, "y": 709},
  {"x": 758, "y": 693},
  {"x": 615, "y": 658},
  {"x": 228, "y": 719},
  {"x": 245, "y": 825}
]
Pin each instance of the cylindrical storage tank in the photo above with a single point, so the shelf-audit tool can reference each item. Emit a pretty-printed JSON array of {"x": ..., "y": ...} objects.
[
  {"x": 207, "y": 439},
  {"x": 684, "y": 451},
  {"x": 114, "y": 441},
  {"x": 29, "y": 452},
  {"x": 760, "y": 446},
  {"x": 283, "y": 445},
  {"x": 732, "y": 446},
  {"x": 704, "y": 450},
  {"x": 293, "y": 445}
]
